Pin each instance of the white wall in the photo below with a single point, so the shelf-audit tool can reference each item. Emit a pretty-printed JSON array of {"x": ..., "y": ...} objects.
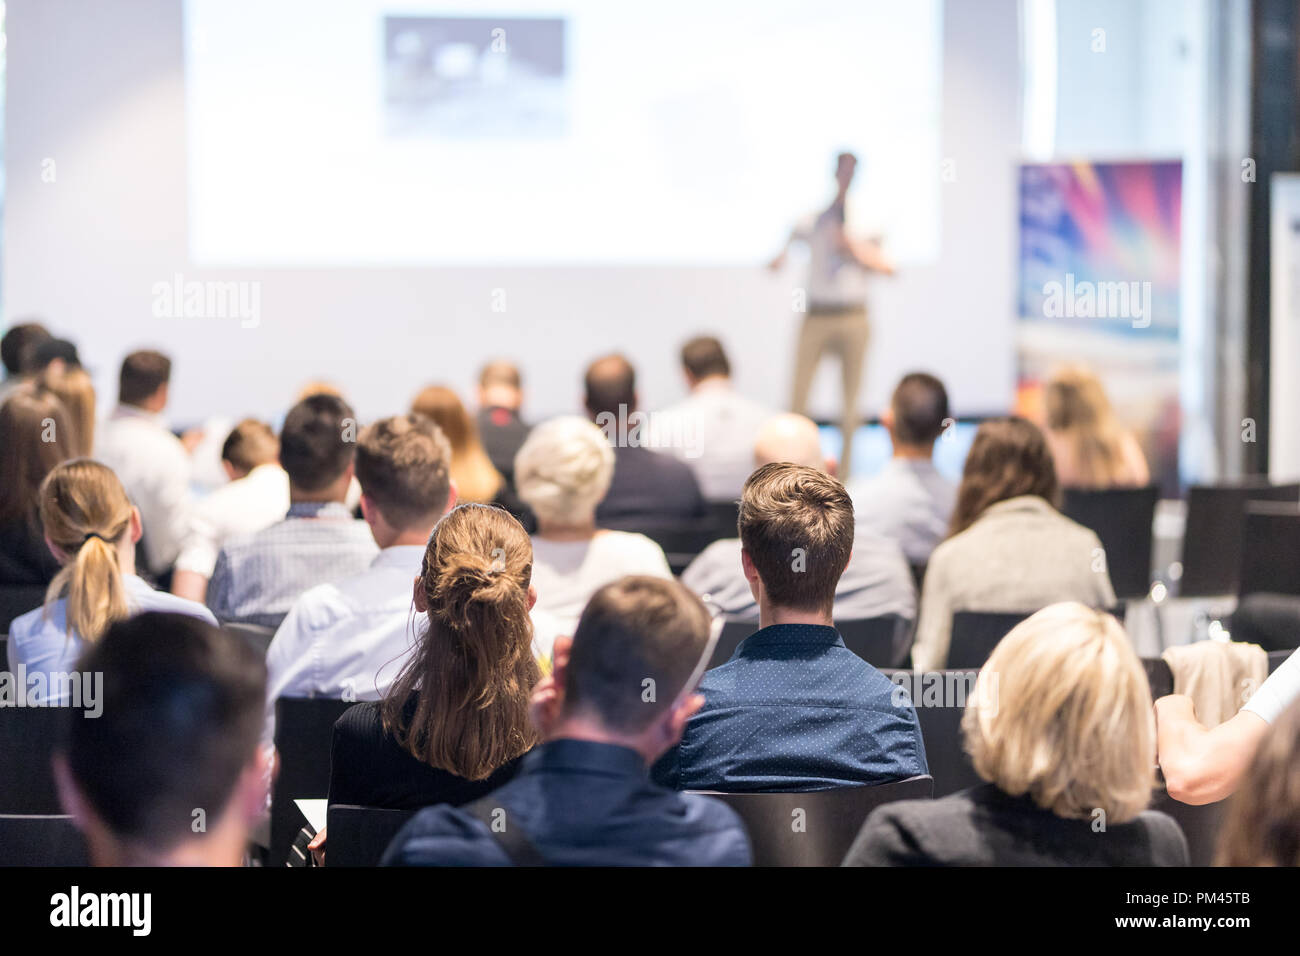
[{"x": 97, "y": 87}]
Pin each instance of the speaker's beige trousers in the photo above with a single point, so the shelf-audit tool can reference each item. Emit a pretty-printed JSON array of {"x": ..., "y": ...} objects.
[{"x": 844, "y": 334}]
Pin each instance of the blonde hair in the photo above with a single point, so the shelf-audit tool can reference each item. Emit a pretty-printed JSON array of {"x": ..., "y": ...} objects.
[
  {"x": 1080, "y": 414},
  {"x": 476, "y": 478},
  {"x": 75, "y": 389},
  {"x": 564, "y": 469},
  {"x": 1062, "y": 713},
  {"x": 85, "y": 513}
]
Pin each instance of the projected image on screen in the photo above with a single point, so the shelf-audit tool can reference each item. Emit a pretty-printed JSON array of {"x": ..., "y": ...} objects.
[
  {"x": 585, "y": 132},
  {"x": 453, "y": 77}
]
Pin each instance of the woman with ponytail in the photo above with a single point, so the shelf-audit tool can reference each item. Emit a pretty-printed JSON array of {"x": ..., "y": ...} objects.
[
  {"x": 90, "y": 528},
  {"x": 455, "y": 721}
]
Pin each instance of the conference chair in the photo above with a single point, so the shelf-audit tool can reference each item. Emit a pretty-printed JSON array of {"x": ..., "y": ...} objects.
[
  {"x": 976, "y": 633},
  {"x": 681, "y": 544},
  {"x": 28, "y": 736},
  {"x": 258, "y": 636},
  {"x": 358, "y": 836},
  {"x": 882, "y": 642},
  {"x": 1159, "y": 676},
  {"x": 1200, "y": 824},
  {"x": 723, "y": 519},
  {"x": 16, "y": 601},
  {"x": 41, "y": 840},
  {"x": 1122, "y": 519},
  {"x": 1213, "y": 538},
  {"x": 1270, "y": 554},
  {"x": 1270, "y": 620},
  {"x": 304, "y": 735},
  {"x": 813, "y": 828},
  {"x": 939, "y": 698}
]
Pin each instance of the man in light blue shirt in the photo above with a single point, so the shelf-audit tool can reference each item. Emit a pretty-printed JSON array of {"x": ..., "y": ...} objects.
[
  {"x": 349, "y": 639},
  {"x": 908, "y": 501}
]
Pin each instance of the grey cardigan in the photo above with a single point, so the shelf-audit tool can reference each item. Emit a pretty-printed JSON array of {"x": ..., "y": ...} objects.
[
  {"x": 1020, "y": 555},
  {"x": 985, "y": 827}
]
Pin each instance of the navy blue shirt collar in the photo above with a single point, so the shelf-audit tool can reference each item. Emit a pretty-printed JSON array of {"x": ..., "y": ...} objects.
[
  {"x": 584, "y": 756},
  {"x": 779, "y": 635}
]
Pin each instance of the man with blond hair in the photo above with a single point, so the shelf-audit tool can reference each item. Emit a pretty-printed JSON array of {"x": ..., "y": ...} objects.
[{"x": 794, "y": 709}]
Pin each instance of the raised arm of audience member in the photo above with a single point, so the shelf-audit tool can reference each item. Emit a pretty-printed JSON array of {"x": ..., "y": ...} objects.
[{"x": 1203, "y": 765}]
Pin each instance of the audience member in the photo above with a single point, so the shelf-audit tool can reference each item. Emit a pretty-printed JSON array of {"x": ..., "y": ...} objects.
[
  {"x": 150, "y": 461},
  {"x": 909, "y": 501},
  {"x": 1262, "y": 827},
  {"x": 1203, "y": 765},
  {"x": 75, "y": 389},
  {"x": 1059, "y": 726},
  {"x": 471, "y": 469},
  {"x": 35, "y": 435},
  {"x": 255, "y": 496},
  {"x": 258, "y": 576},
  {"x": 650, "y": 490},
  {"x": 1010, "y": 549},
  {"x": 1090, "y": 447},
  {"x": 582, "y": 797},
  {"x": 57, "y": 354},
  {"x": 500, "y": 397},
  {"x": 563, "y": 471},
  {"x": 170, "y": 773},
  {"x": 794, "y": 709},
  {"x": 714, "y": 428},
  {"x": 91, "y": 528},
  {"x": 349, "y": 637},
  {"x": 422, "y": 744},
  {"x": 876, "y": 581},
  {"x": 18, "y": 353}
]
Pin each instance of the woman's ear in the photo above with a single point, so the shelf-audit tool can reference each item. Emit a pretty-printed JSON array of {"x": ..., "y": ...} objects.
[
  {"x": 418, "y": 596},
  {"x": 532, "y": 596},
  {"x": 55, "y": 550},
  {"x": 137, "y": 528}
]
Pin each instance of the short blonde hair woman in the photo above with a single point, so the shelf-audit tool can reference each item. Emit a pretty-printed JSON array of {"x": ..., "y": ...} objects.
[
  {"x": 1091, "y": 448},
  {"x": 562, "y": 473},
  {"x": 477, "y": 480},
  {"x": 1061, "y": 729},
  {"x": 91, "y": 528}
]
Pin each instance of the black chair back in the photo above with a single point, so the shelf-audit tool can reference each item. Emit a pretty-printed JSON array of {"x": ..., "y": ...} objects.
[
  {"x": 814, "y": 828},
  {"x": 257, "y": 636},
  {"x": 1270, "y": 620},
  {"x": 681, "y": 545},
  {"x": 358, "y": 836},
  {"x": 882, "y": 642},
  {"x": 304, "y": 735},
  {"x": 724, "y": 519},
  {"x": 940, "y": 700},
  {"x": 1121, "y": 518},
  {"x": 1270, "y": 554},
  {"x": 1214, "y": 533},
  {"x": 28, "y": 736},
  {"x": 1276, "y": 658},
  {"x": 16, "y": 601},
  {"x": 1200, "y": 824},
  {"x": 41, "y": 840},
  {"x": 976, "y": 633},
  {"x": 1159, "y": 676}
]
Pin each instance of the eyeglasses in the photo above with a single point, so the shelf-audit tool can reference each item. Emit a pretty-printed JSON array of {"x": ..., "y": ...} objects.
[{"x": 716, "y": 624}]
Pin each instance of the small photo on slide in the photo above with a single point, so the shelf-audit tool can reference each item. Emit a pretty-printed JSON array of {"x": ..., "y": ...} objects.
[{"x": 471, "y": 78}]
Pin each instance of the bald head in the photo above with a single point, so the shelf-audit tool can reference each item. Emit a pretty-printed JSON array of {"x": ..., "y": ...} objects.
[
  {"x": 610, "y": 382},
  {"x": 792, "y": 438}
]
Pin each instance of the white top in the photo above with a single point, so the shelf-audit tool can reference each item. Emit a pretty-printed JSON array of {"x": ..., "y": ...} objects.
[
  {"x": 567, "y": 573},
  {"x": 713, "y": 430},
  {"x": 347, "y": 639},
  {"x": 908, "y": 501},
  {"x": 243, "y": 506},
  {"x": 42, "y": 643},
  {"x": 1279, "y": 692},
  {"x": 154, "y": 468},
  {"x": 835, "y": 280}
]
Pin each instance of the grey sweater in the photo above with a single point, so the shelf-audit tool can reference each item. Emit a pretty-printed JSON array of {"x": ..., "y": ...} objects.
[{"x": 983, "y": 826}]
